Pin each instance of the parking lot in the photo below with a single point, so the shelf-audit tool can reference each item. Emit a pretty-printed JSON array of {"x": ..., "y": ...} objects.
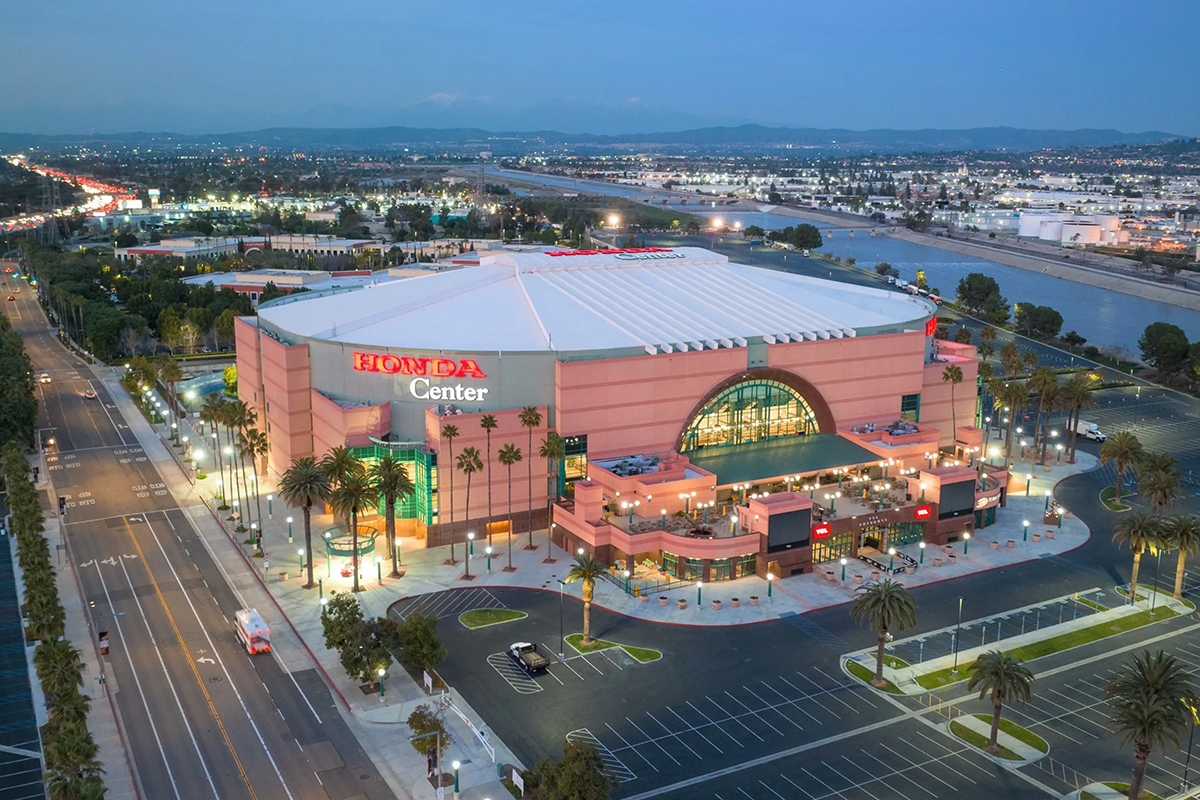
[{"x": 449, "y": 603}]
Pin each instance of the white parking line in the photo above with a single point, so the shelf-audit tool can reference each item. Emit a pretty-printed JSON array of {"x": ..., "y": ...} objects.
[
  {"x": 776, "y": 709},
  {"x": 694, "y": 730},
  {"x": 709, "y": 720},
  {"x": 832, "y": 692},
  {"x": 798, "y": 786},
  {"x": 513, "y": 675},
  {"x": 612, "y": 764},
  {"x": 628, "y": 746},
  {"x": 652, "y": 741},
  {"x": 823, "y": 783},
  {"x": 795, "y": 703},
  {"x": 899, "y": 773},
  {"x": 672, "y": 733},
  {"x": 918, "y": 766},
  {"x": 956, "y": 753},
  {"x": 734, "y": 718}
]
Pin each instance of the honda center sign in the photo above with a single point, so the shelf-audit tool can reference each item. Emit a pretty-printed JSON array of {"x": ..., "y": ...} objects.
[{"x": 424, "y": 369}]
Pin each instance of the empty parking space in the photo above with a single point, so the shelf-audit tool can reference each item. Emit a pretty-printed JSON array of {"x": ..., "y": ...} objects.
[{"x": 448, "y": 603}]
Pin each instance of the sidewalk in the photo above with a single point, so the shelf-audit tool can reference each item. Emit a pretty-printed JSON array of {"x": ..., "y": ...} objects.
[{"x": 974, "y": 723}]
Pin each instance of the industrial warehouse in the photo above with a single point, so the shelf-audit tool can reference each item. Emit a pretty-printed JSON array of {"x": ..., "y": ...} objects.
[{"x": 716, "y": 419}]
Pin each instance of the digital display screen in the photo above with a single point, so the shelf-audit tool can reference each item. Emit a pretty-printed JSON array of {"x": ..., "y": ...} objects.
[
  {"x": 957, "y": 499},
  {"x": 788, "y": 530}
]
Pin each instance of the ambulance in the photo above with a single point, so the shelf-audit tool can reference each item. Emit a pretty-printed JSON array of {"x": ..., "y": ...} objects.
[{"x": 251, "y": 631}]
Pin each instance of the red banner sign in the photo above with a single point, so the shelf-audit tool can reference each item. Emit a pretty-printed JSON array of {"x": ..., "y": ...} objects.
[
  {"x": 820, "y": 531},
  {"x": 931, "y": 326},
  {"x": 923, "y": 512},
  {"x": 408, "y": 365}
]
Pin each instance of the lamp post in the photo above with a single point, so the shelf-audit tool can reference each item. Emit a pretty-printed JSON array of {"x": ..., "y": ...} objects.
[
  {"x": 220, "y": 486},
  {"x": 770, "y": 581},
  {"x": 270, "y": 510},
  {"x": 301, "y": 552},
  {"x": 699, "y": 588},
  {"x": 1047, "y": 506},
  {"x": 1058, "y": 457},
  {"x": 382, "y": 687},
  {"x": 627, "y": 576},
  {"x": 454, "y": 765},
  {"x": 561, "y": 653},
  {"x": 289, "y": 520},
  {"x": 1023, "y": 448},
  {"x": 324, "y": 601},
  {"x": 488, "y": 550},
  {"x": 470, "y": 547},
  {"x": 922, "y": 546},
  {"x": 732, "y": 523},
  {"x": 1025, "y": 535},
  {"x": 922, "y": 492},
  {"x": 843, "y": 563},
  {"x": 892, "y": 562},
  {"x": 957, "y": 630},
  {"x": 663, "y": 522},
  {"x": 706, "y": 507},
  {"x": 966, "y": 541},
  {"x": 1028, "y": 483}
]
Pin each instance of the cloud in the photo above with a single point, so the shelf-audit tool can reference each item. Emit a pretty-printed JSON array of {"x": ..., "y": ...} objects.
[{"x": 443, "y": 98}]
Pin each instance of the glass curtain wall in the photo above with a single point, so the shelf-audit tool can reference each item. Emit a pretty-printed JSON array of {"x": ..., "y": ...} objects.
[{"x": 752, "y": 411}]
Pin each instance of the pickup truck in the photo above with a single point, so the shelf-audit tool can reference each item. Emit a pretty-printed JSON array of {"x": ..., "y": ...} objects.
[{"x": 528, "y": 658}]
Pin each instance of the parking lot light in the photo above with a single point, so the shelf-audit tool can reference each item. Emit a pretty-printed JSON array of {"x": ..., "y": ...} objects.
[
  {"x": 770, "y": 581},
  {"x": 966, "y": 541},
  {"x": 922, "y": 546},
  {"x": 1025, "y": 537},
  {"x": 843, "y": 560},
  {"x": 488, "y": 550},
  {"x": 454, "y": 765},
  {"x": 289, "y": 520},
  {"x": 698, "y": 591}
]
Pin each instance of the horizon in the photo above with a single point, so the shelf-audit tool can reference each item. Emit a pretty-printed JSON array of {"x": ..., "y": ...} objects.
[{"x": 879, "y": 68}]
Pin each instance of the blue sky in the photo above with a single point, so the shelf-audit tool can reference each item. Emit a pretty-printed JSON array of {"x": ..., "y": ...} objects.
[{"x": 603, "y": 67}]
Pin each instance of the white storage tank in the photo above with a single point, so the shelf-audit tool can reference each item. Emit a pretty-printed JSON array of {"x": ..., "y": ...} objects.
[
  {"x": 1078, "y": 234},
  {"x": 1050, "y": 230}
]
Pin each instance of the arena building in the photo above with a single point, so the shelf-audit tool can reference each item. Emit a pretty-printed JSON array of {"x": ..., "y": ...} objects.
[{"x": 716, "y": 418}]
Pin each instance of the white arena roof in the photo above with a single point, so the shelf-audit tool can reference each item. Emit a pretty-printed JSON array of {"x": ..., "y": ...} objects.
[{"x": 661, "y": 300}]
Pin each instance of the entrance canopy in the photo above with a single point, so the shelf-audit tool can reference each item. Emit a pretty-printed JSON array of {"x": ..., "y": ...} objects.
[{"x": 797, "y": 455}]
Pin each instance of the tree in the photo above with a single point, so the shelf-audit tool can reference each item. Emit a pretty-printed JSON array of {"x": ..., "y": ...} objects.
[
  {"x": 58, "y": 667},
  {"x": 224, "y": 326},
  {"x": 449, "y": 434},
  {"x": 1125, "y": 451},
  {"x": 417, "y": 639},
  {"x": 953, "y": 375},
  {"x": 255, "y": 444},
  {"x": 469, "y": 462},
  {"x": 532, "y": 418},
  {"x": 1015, "y": 396},
  {"x": 586, "y": 571},
  {"x": 391, "y": 479},
  {"x": 1150, "y": 698},
  {"x": 1182, "y": 532},
  {"x": 1010, "y": 358},
  {"x": 1076, "y": 395},
  {"x": 270, "y": 292},
  {"x": 338, "y": 617},
  {"x": 580, "y": 775},
  {"x": 305, "y": 484},
  {"x": 963, "y": 335},
  {"x": 508, "y": 456},
  {"x": 354, "y": 492},
  {"x": 888, "y": 606},
  {"x": 1165, "y": 347},
  {"x": 754, "y": 232},
  {"x": 980, "y": 295},
  {"x": 229, "y": 375},
  {"x": 553, "y": 450},
  {"x": 1138, "y": 530},
  {"x": 488, "y": 423},
  {"x": 429, "y": 731},
  {"x": 1044, "y": 383},
  {"x": 71, "y": 761},
  {"x": 168, "y": 328},
  {"x": 363, "y": 652},
  {"x": 1039, "y": 322},
  {"x": 1006, "y": 678},
  {"x": 1159, "y": 480}
]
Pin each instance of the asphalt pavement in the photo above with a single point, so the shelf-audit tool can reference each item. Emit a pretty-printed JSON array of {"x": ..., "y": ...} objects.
[{"x": 202, "y": 717}]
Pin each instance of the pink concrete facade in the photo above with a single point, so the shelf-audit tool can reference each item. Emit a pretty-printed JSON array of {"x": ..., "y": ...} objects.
[
  {"x": 287, "y": 402},
  {"x": 335, "y": 425},
  {"x": 655, "y": 492}
]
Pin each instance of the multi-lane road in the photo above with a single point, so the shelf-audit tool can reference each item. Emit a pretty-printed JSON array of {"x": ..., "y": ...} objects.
[{"x": 202, "y": 718}]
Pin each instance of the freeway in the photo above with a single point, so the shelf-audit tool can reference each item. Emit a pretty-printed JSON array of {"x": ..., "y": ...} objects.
[{"x": 203, "y": 718}]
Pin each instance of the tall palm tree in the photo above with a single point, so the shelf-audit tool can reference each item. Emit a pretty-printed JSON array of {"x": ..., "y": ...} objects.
[
  {"x": 1124, "y": 451},
  {"x": 1006, "y": 678},
  {"x": 1029, "y": 360},
  {"x": 953, "y": 375},
  {"x": 1015, "y": 395},
  {"x": 1149, "y": 698},
  {"x": 509, "y": 455},
  {"x": 1159, "y": 481},
  {"x": 58, "y": 667},
  {"x": 68, "y": 706},
  {"x": 339, "y": 464},
  {"x": 170, "y": 374},
  {"x": 488, "y": 423},
  {"x": 469, "y": 463},
  {"x": 211, "y": 412},
  {"x": 530, "y": 418},
  {"x": 1076, "y": 396},
  {"x": 1044, "y": 384},
  {"x": 449, "y": 434},
  {"x": 305, "y": 484},
  {"x": 586, "y": 571},
  {"x": 553, "y": 451},
  {"x": 1010, "y": 357},
  {"x": 1182, "y": 532},
  {"x": 230, "y": 415},
  {"x": 888, "y": 606},
  {"x": 987, "y": 335},
  {"x": 353, "y": 493},
  {"x": 255, "y": 444},
  {"x": 1138, "y": 530},
  {"x": 391, "y": 478}
]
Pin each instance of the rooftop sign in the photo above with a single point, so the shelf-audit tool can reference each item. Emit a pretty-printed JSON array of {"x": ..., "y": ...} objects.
[{"x": 408, "y": 365}]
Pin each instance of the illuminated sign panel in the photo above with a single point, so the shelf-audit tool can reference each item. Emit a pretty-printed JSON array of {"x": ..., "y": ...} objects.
[
  {"x": 931, "y": 326},
  {"x": 820, "y": 531},
  {"x": 408, "y": 365},
  {"x": 624, "y": 253},
  {"x": 923, "y": 512}
]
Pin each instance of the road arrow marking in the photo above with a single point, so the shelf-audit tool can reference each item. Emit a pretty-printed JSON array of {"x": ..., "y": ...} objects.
[
  {"x": 205, "y": 661},
  {"x": 112, "y": 562},
  {"x": 126, "y": 555},
  {"x": 88, "y": 563}
]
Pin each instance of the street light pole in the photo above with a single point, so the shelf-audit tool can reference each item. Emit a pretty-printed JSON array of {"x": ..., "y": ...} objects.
[
  {"x": 957, "y": 631},
  {"x": 561, "y": 652}
]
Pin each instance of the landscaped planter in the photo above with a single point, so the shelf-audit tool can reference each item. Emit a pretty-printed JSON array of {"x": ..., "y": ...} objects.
[
  {"x": 753, "y": 599},
  {"x": 283, "y": 576},
  {"x": 908, "y": 570},
  {"x": 858, "y": 578},
  {"x": 1049, "y": 534},
  {"x": 994, "y": 545},
  {"x": 937, "y": 562},
  {"x": 645, "y": 598},
  {"x": 1037, "y": 537},
  {"x": 682, "y": 604},
  {"x": 951, "y": 559},
  {"x": 662, "y": 600},
  {"x": 716, "y": 604},
  {"x": 733, "y": 603},
  {"x": 1011, "y": 544},
  {"x": 874, "y": 575}
]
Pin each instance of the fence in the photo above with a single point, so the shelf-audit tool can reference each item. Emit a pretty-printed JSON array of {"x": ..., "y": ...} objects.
[
  {"x": 1068, "y": 775},
  {"x": 632, "y": 587},
  {"x": 939, "y": 706}
]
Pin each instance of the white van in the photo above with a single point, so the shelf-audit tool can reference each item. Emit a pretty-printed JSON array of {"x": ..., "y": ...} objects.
[{"x": 251, "y": 631}]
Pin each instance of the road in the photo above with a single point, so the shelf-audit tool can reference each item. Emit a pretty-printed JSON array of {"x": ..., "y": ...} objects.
[{"x": 203, "y": 718}]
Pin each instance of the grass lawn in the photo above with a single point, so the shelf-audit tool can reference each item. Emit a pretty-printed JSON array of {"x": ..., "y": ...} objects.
[
  {"x": 1107, "y": 496},
  {"x": 979, "y": 741},
  {"x": 1123, "y": 788},
  {"x": 1017, "y": 732},
  {"x": 642, "y": 655},
  {"x": 1056, "y": 644},
  {"x": 893, "y": 662},
  {"x": 483, "y": 617},
  {"x": 1091, "y": 603},
  {"x": 866, "y": 676}
]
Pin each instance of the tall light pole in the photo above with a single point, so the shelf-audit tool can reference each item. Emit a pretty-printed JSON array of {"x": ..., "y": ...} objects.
[
  {"x": 957, "y": 631},
  {"x": 561, "y": 652}
]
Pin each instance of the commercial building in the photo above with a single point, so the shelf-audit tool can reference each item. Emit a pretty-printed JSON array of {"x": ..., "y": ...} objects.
[
  {"x": 710, "y": 412},
  {"x": 212, "y": 247}
]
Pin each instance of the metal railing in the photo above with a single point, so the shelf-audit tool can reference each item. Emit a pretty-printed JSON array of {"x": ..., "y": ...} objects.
[
  {"x": 634, "y": 587},
  {"x": 1068, "y": 775}
]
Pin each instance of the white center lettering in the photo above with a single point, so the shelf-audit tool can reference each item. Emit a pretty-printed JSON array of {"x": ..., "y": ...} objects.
[{"x": 421, "y": 389}]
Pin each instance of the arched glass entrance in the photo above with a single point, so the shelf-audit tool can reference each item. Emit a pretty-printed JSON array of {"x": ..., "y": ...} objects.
[{"x": 751, "y": 411}]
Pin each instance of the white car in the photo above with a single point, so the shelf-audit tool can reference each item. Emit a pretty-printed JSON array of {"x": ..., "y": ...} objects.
[
  {"x": 44, "y": 377},
  {"x": 90, "y": 394}
]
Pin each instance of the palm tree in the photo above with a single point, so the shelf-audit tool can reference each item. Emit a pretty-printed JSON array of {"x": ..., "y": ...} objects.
[
  {"x": 509, "y": 454},
  {"x": 1149, "y": 698},
  {"x": 1010, "y": 357},
  {"x": 212, "y": 412},
  {"x": 254, "y": 443},
  {"x": 1160, "y": 481},
  {"x": 1043, "y": 383},
  {"x": 530, "y": 418},
  {"x": 1015, "y": 395},
  {"x": 229, "y": 419},
  {"x": 488, "y": 423},
  {"x": 586, "y": 571},
  {"x": 1029, "y": 360},
  {"x": 170, "y": 374},
  {"x": 354, "y": 492},
  {"x": 1138, "y": 530},
  {"x": 339, "y": 464},
  {"x": 305, "y": 484},
  {"x": 1006, "y": 678},
  {"x": 1181, "y": 531},
  {"x": 553, "y": 451},
  {"x": 1125, "y": 451},
  {"x": 449, "y": 434},
  {"x": 469, "y": 462},
  {"x": 69, "y": 706},
  {"x": 987, "y": 335},
  {"x": 953, "y": 375},
  {"x": 1076, "y": 396},
  {"x": 58, "y": 667},
  {"x": 391, "y": 478},
  {"x": 888, "y": 606}
]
